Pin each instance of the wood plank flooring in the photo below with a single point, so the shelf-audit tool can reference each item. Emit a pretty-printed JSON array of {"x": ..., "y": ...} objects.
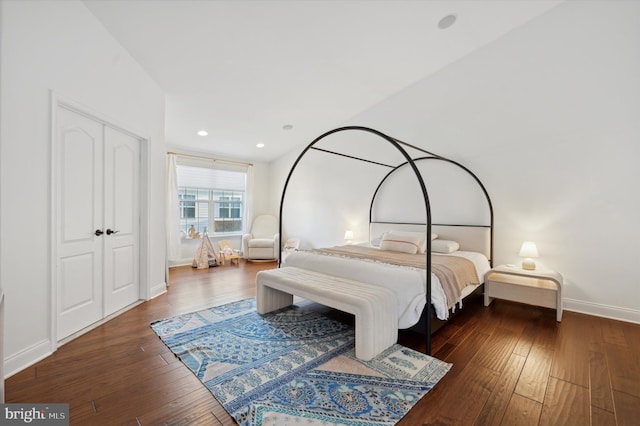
[{"x": 512, "y": 365}]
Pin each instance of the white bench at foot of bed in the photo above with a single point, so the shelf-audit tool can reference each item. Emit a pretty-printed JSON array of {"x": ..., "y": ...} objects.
[{"x": 374, "y": 307}]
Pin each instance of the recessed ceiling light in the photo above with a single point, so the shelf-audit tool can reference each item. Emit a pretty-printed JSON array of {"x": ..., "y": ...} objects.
[
  {"x": 287, "y": 127},
  {"x": 260, "y": 145},
  {"x": 447, "y": 21},
  {"x": 202, "y": 133}
]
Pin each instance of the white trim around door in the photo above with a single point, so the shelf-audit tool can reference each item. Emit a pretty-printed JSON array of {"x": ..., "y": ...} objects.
[{"x": 142, "y": 269}]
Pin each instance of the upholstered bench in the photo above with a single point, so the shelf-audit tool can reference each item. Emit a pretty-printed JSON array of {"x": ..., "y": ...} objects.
[{"x": 375, "y": 308}]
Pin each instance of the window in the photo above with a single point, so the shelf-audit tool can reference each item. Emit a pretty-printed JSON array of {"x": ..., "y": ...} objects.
[
  {"x": 228, "y": 211},
  {"x": 210, "y": 199}
]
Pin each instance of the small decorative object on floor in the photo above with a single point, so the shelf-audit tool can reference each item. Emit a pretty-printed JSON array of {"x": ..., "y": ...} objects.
[
  {"x": 295, "y": 366},
  {"x": 290, "y": 246},
  {"x": 205, "y": 256},
  {"x": 228, "y": 253}
]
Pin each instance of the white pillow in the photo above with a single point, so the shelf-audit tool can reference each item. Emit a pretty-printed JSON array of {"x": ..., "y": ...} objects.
[
  {"x": 444, "y": 246},
  {"x": 423, "y": 244},
  {"x": 403, "y": 242}
]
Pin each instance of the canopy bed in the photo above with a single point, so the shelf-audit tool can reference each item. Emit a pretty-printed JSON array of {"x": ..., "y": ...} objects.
[{"x": 418, "y": 261}]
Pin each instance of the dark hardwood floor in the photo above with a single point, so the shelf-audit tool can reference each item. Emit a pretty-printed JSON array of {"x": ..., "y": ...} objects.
[{"x": 512, "y": 365}]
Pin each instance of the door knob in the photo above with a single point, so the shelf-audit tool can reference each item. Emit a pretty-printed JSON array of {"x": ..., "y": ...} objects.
[
  {"x": 99, "y": 232},
  {"x": 109, "y": 232}
]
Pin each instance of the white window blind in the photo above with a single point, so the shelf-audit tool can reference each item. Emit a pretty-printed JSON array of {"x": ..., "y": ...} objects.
[{"x": 198, "y": 177}]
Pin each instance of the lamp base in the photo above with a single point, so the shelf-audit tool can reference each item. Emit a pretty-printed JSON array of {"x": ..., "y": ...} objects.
[{"x": 528, "y": 264}]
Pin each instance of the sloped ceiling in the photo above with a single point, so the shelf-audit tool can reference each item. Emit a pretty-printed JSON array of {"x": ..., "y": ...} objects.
[{"x": 242, "y": 70}]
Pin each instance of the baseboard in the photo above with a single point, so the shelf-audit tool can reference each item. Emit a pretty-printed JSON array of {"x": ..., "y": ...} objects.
[
  {"x": 180, "y": 262},
  {"x": 157, "y": 290},
  {"x": 27, "y": 357},
  {"x": 43, "y": 349},
  {"x": 599, "y": 310}
]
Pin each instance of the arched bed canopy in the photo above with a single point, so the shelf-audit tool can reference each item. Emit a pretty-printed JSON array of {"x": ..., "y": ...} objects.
[
  {"x": 454, "y": 163},
  {"x": 411, "y": 163}
]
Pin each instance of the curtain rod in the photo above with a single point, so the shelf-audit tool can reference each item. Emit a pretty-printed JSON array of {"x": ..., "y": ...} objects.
[{"x": 210, "y": 158}]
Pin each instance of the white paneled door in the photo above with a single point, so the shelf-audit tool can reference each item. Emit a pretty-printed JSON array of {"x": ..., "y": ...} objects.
[
  {"x": 121, "y": 220},
  {"x": 97, "y": 211}
]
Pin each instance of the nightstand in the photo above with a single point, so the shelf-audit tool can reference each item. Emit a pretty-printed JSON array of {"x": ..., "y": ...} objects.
[{"x": 540, "y": 287}]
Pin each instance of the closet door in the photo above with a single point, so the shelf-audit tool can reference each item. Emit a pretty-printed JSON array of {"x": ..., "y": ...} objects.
[
  {"x": 122, "y": 211},
  {"x": 98, "y": 215},
  {"x": 80, "y": 206}
]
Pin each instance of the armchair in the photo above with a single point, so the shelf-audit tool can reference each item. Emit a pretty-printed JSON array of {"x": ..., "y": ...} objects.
[{"x": 263, "y": 243}]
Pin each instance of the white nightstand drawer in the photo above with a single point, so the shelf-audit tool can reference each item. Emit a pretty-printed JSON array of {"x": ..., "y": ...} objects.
[
  {"x": 524, "y": 290},
  {"x": 539, "y": 288}
]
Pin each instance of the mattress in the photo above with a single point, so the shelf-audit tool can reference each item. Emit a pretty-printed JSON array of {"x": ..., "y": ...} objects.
[{"x": 409, "y": 284}]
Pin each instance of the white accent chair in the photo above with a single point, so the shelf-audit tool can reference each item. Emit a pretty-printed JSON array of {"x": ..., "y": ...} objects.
[{"x": 263, "y": 243}]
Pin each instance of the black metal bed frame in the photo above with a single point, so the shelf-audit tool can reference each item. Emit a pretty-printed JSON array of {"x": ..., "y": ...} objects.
[{"x": 410, "y": 162}]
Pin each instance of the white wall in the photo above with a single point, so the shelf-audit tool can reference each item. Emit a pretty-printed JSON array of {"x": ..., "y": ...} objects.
[
  {"x": 547, "y": 117},
  {"x": 327, "y": 194},
  {"x": 59, "y": 46},
  {"x": 261, "y": 189}
]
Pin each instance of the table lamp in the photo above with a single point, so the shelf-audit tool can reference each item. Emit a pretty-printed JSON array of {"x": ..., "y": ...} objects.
[
  {"x": 348, "y": 236},
  {"x": 528, "y": 251}
]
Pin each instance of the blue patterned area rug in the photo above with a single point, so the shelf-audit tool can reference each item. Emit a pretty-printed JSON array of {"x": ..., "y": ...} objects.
[{"x": 295, "y": 366}]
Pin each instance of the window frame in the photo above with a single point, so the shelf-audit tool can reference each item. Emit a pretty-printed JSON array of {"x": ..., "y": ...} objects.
[{"x": 236, "y": 198}]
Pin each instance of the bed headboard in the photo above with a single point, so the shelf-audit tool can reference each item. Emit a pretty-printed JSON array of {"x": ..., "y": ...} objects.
[{"x": 470, "y": 238}]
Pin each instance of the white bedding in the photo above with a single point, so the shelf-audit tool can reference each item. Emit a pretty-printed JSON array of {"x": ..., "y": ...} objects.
[{"x": 409, "y": 284}]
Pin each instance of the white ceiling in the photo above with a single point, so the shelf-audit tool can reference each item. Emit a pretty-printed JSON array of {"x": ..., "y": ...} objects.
[{"x": 243, "y": 69}]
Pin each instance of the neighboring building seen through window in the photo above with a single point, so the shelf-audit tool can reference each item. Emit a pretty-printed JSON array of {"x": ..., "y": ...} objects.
[{"x": 215, "y": 210}]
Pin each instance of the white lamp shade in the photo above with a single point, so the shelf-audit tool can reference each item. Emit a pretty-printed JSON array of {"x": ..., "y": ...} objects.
[
  {"x": 529, "y": 249},
  {"x": 348, "y": 235}
]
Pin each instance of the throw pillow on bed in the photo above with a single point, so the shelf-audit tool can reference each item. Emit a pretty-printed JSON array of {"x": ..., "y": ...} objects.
[
  {"x": 403, "y": 242},
  {"x": 444, "y": 246}
]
